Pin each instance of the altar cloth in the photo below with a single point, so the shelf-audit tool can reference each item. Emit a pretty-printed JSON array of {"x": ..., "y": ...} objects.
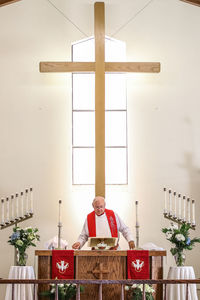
[
  {"x": 21, "y": 291},
  {"x": 178, "y": 291}
]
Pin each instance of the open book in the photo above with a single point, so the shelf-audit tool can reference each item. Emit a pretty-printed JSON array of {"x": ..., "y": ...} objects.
[{"x": 102, "y": 242}]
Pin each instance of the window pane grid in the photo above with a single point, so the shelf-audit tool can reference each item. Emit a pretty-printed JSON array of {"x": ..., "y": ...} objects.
[{"x": 83, "y": 102}]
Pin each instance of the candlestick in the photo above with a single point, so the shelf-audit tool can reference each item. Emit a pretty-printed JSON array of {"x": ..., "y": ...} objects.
[
  {"x": 31, "y": 200},
  {"x": 59, "y": 225},
  {"x": 193, "y": 212},
  {"x": 17, "y": 206},
  {"x": 165, "y": 201},
  {"x": 170, "y": 203},
  {"x": 188, "y": 210},
  {"x": 7, "y": 210},
  {"x": 22, "y": 204},
  {"x": 184, "y": 204},
  {"x": 179, "y": 206},
  {"x": 2, "y": 212},
  {"x": 137, "y": 224},
  {"x": 26, "y": 202},
  {"x": 174, "y": 204},
  {"x": 12, "y": 208}
]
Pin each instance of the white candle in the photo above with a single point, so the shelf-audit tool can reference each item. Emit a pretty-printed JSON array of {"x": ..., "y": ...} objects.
[
  {"x": 26, "y": 201},
  {"x": 17, "y": 206},
  {"x": 193, "y": 212},
  {"x": 184, "y": 204},
  {"x": 170, "y": 203},
  {"x": 2, "y": 212},
  {"x": 31, "y": 200},
  {"x": 188, "y": 210},
  {"x": 174, "y": 204},
  {"x": 7, "y": 210},
  {"x": 179, "y": 206},
  {"x": 12, "y": 208},
  {"x": 59, "y": 215},
  {"x": 22, "y": 204},
  {"x": 165, "y": 201}
]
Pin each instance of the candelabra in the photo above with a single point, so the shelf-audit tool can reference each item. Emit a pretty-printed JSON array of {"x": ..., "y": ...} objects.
[
  {"x": 181, "y": 210},
  {"x": 16, "y": 208}
]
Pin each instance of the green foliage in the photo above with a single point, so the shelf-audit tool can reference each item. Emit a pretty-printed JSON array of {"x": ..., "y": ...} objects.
[
  {"x": 65, "y": 291},
  {"x": 136, "y": 291},
  {"x": 23, "y": 238}
]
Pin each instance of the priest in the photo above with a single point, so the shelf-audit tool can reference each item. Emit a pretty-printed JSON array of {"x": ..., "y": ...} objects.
[{"x": 103, "y": 222}]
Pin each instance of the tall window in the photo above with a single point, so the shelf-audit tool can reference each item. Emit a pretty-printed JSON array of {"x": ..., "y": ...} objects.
[{"x": 83, "y": 116}]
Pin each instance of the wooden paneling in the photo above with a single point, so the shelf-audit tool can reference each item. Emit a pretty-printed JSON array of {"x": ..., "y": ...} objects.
[
  {"x": 195, "y": 2},
  {"x": 114, "y": 267},
  {"x": 5, "y": 2},
  {"x": 156, "y": 272},
  {"x": 99, "y": 253},
  {"x": 44, "y": 271},
  {"x": 113, "y": 263}
]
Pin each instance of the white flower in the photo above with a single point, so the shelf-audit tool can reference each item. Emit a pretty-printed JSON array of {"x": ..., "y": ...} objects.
[
  {"x": 173, "y": 226},
  {"x": 168, "y": 235},
  {"x": 134, "y": 286},
  {"x": 126, "y": 288},
  {"x": 148, "y": 289},
  {"x": 180, "y": 237}
]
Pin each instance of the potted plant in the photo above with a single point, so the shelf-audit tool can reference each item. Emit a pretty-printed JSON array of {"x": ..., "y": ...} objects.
[
  {"x": 181, "y": 241},
  {"x": 66, "y": 291},
  {"x": 135, "y": 291},
  {"x": 21, "y": 239}
]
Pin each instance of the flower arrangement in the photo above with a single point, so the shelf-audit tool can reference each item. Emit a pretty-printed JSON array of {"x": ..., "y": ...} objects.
[
  {"x": 21, "y": 239},
  {"x": 66, "y": 291},
  {"x": 136, "y": 291},
  {"x": 179, "y": 237}
]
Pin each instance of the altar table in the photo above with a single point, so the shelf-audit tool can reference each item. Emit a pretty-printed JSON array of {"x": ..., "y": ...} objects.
[
  {"x": 178, "y": 291},
  {"x": 101, "y": 264},
  {"x": 21, "y": 291}
]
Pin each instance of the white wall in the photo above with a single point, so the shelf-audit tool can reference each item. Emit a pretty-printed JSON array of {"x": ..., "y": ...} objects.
[{"x": 35, "y": 115}]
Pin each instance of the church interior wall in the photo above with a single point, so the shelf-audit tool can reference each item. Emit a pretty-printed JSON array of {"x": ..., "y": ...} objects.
[{"x": 163, "y": 117}]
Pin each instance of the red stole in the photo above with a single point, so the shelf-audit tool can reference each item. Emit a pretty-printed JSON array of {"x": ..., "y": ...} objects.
[{"x": 111, "y": 222}]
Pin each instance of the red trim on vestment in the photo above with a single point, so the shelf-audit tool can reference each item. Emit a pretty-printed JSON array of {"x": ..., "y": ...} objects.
[{"x": 111, "y": 222}]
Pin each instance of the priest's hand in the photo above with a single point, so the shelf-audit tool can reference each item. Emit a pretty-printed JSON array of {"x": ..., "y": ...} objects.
[
  {"x": 131, "y": 245},
  {"x": 76, "y": 245}
]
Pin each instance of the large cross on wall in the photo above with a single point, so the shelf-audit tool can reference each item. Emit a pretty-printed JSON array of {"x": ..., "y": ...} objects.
[{"x": 99, "y": 67}]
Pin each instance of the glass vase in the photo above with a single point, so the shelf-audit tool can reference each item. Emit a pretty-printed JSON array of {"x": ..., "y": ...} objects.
[
  {"x": 21, "y": 258},
  {"x": 179, "y": 259}
]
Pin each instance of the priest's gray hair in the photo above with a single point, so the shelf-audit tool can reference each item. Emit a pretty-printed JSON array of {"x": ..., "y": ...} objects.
[{"x": 97, "y": 198}]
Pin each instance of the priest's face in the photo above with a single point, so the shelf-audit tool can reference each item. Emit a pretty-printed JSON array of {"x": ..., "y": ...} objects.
[{"x": 99, "y": 205}]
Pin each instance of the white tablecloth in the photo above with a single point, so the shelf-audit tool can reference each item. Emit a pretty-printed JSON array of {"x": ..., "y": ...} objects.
[
  {"x": 178, "y": 291},
  {"x": 21, "y": 291}
]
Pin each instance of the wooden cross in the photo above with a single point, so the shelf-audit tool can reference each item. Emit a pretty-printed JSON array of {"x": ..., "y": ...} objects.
[
  {"x": 99, "y": 271},
  {"x": 100, "y": 67}
]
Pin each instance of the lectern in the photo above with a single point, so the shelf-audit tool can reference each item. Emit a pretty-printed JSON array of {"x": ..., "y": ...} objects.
[{"x": 101, "y": 264}]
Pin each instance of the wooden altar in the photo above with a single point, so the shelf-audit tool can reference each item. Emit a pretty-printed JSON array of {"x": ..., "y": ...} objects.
[{"x": 101, "y": 264}]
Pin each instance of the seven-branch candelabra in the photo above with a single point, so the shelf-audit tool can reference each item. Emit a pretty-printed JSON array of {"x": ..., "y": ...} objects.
[
  {"x": 16, "y": 208},
  {"x": 178, "y": 208}
]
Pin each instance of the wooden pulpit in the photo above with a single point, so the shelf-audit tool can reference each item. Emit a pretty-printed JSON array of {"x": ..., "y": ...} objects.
[{"x": 102, "y": 264}]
